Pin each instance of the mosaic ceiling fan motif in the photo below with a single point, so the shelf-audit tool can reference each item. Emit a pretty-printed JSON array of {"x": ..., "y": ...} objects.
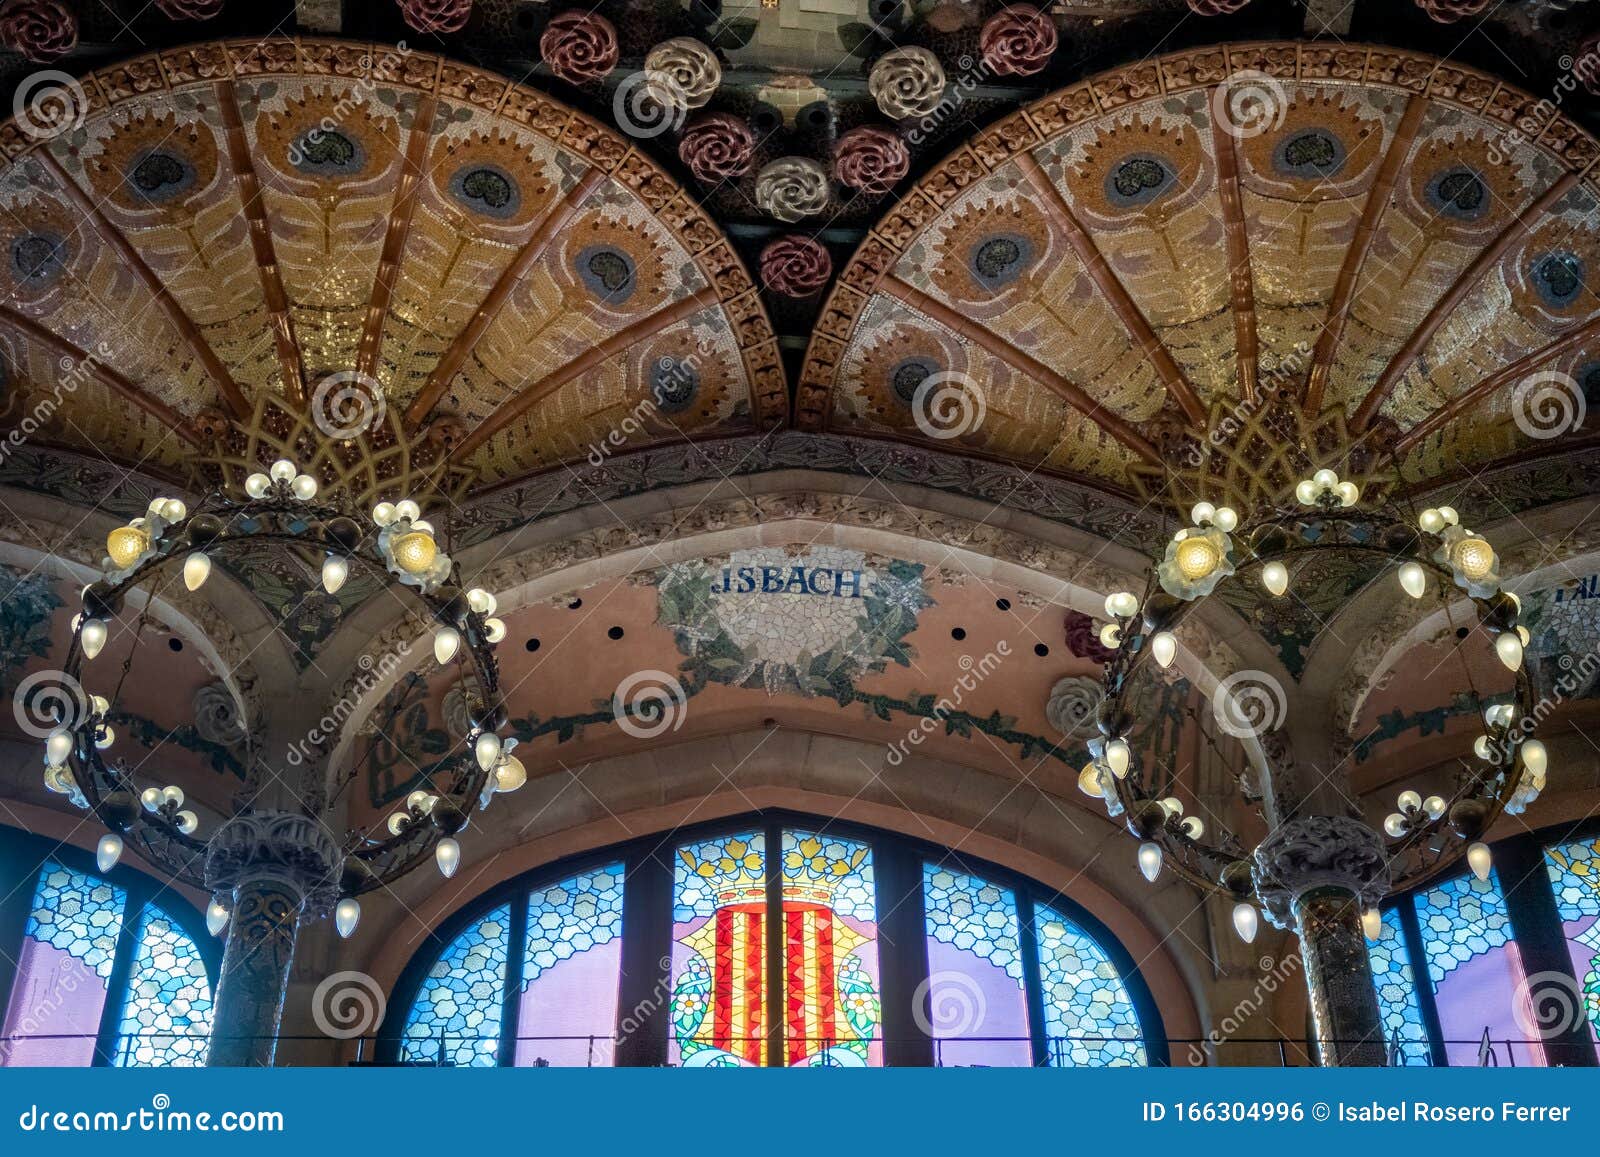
[{"x": 233, "y": 227}]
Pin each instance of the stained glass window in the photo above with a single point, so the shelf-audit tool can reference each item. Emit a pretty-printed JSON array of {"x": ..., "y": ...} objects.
[
  {"x": 1473, "y": 967},
  {"x": 976, "y": 1008},
  {"x": 1084, "y": 998},
  {"x": 830, "y": 952},
  {"x": 1575, "y": 876},
  {"x": 719, "y": 952},
  {"x": 455, "y": 1019},
  {"x": 1398, "y": 1003},
  {"x": 568, "y": 1011},
  {"x": 62, "y": 971},
  {"x": 166, "y": 1017}
]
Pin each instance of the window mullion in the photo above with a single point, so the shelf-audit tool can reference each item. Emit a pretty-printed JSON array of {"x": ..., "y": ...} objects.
[
  {"x": 1541, "y": 942},
  {"x": 511, "y": 1001},
  {"x": 121, "y": 974},
  {"x": 1033, "y": 984},
  {"x": 777, "y": 942}
]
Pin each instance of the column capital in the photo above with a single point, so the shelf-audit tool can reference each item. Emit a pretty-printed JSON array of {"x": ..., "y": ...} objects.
[
  {"x": 1319, "y": 851},
  {"x": 290, "y": 849}
]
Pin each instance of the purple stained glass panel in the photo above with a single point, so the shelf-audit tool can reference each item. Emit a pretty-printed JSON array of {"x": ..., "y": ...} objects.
[
  {"x": 570, "y": 974},
  {"x": 977, "y": 1011}
]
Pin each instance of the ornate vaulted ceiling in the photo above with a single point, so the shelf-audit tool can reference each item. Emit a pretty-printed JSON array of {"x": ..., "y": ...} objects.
[
  {"x": 1396, "y": 256},
  {"x": 235, "y": 223}
]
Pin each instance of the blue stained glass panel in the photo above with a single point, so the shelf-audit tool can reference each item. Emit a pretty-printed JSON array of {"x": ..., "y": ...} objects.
[
  {"x": 456, "y": 1017},
  {"x": 1084, "y": 998},
  {"x": 976, "y": 1010},
  {"x": 571, "y": 970},
  {"x": 1575, "y": 878},
  {"x": 1398, "y": 1003},
  {"x": 166, "y": 1018}
]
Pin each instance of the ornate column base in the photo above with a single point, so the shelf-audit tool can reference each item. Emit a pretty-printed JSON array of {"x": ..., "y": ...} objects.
[
  {"x": 278, "y": 867},
  {"x": 1316, "y": 875}
]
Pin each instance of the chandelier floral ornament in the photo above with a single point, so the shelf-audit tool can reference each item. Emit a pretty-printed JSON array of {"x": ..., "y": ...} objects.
[
  {"x": 1326, "y": 513},
  {"x": 280, "y": 510}
]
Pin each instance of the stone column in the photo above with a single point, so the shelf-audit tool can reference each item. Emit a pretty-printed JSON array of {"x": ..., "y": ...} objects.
[
  {"x": 278, "y": 867},
  {"x": 1316, "y": 874}
]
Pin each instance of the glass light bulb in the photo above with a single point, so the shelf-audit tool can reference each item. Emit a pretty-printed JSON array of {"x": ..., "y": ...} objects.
[
  {"x": 1111, "y": 636},
  {"x": 334, "y": 571},
  {"x": 196, "y": 569},
  {"x": 494, "y": 630},
  {"x": 1349, "y": 493},
  {"x": 1431, "y": 521},
  {"x": 1479, "y": 860},
  {"x": 1201, "y": 513},
  {"x": 446, "y": 641},
  {"x": 1164, "y": 646},
  {"x": 1483, "y": 749},
  {"x": 58, "y": 747},
  {"x": 256, "y": 485},
  {"x": 1325, "y": 479},
  {"x": 1413, "y": 579},
  {"x": 1246, "y": 920},
  {"x": 1306, "y": 492},
  {"x": 151, "y": 798},
  {"x": 415, "y": 799},
  {"x": 125, "y": 544},
  {"x": 1473, "y": 557},
  {"x": 102, "y": 705},
  {"x": 346, "y": 915},
  {"x": 383, "y": 513},
  {"x": 1509, "y": 647},
  {"x": 481, "y": 601},
  {"x": 447, "y": 854},
  {"x": 109, "y": 851},
  {"x": 1275, "y": 577},
  {"x": 487, "y": 750},
  {"x": 1150, "y": 860},
  {"x": 509, "y": 774},
  {"x": 1409, "y": 801},
  {"x": 1395, "y": 825},
  {"x": 92, "y": 636},
  {"x": 283, "y": 470},
  {"x": 1535, "y": 757},
  {"x": 172, "y": 795},
  {"x": 1372, "y": 923},
  {"x": 1197, "y": 558},
  {"x": 1225, "y": 519},
  {"x": 407, "y": 509},
  {"x": 187, "y": 822},
  {"x": 1193, "y": 827},
  {"x": 398, "y": 823},
  {"x": 173, "y": 510},
  {"x": 415, "y": 552},
  {"x": 1118, "y": 755},
  {"x": 1089, "y": 782},
  {"x": 1448, "y": 513},
  {"x": 1434, "y": 805},
  {"x": 304, "y": 487},
  {"x": 216, "y": 917},
  {"x": 1173, "y": 806},
  {"x": 105, "y": 738},
  {"x": 1121, "y": 605}
]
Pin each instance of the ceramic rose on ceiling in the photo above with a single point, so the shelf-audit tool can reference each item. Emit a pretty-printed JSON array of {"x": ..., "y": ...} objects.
[
  {"x": 792, "y": 189},
  {"x": 907, "y": 82}
]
